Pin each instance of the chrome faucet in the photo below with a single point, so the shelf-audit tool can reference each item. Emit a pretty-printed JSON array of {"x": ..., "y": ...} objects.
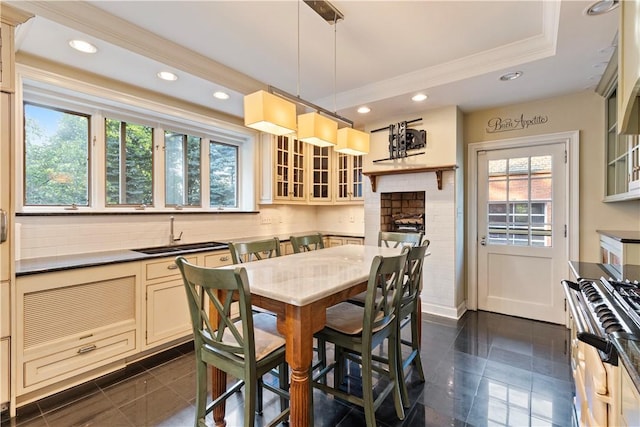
[{"x": 172, "y": 238}]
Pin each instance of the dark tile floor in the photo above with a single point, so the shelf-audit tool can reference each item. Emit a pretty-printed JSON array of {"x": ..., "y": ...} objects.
[{"x": 484, "y": 370}]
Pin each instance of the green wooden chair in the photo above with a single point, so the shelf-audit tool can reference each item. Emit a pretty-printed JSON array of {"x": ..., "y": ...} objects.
[
  {"x": 393, "y": 239},
  {"x": 245, "y": 356},
  {"x": 254, "y": 250},
  {"x": 307, "y": 243},
  {"x": 357, "y": 331}
]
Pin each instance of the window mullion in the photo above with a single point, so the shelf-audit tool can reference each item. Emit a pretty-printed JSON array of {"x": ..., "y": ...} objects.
[
  {"x": 123, "y": 163},
  {"x": 205, "y": 171},
  {"x": 98, "y": 172},
  {"x": 159, "y": 158}
]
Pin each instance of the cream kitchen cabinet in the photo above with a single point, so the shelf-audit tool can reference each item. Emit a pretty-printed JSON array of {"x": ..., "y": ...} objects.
[
  {"x": 73, "y": 324},
  {"x": 289, "y": 169},
  {"x": 321, "y": 188},
  {"x": 348, "y": 178},
  {"x": 332, "y": 241},
  {"x": 628, "y": 103},
  {"x": 166, "y": 310},
  {"x": 629, "y": 401},
  {"x": 619, "y": 248}
]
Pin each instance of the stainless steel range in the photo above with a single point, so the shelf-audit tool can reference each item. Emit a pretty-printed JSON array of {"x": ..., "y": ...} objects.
[
  {"x": 605, "y": 316},
  {"x": 603, "y": 309}
]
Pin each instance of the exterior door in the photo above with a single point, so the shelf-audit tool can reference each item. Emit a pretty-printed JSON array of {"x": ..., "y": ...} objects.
[{"x": 522, "y": 245}]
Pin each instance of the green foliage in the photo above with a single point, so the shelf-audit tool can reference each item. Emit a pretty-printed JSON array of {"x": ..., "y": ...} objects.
[
  {"x": 223, "y": 168},
  {"x": 56, "y": 162},
  {"x": 129, "y": 180}
]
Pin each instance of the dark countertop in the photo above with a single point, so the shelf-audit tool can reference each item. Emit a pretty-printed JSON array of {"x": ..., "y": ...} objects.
[
  {"x": 622, "y": 236},
  {"x": 67, "y": 262},
  {"x": 628, "y": 350},
  {"x": 591, "y": 270}
]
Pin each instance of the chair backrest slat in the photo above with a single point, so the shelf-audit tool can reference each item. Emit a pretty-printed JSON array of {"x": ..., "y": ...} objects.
[
  {"x": 393, "y": 239},
  {"x": 255, "y": 250},
  {"x": 413, "y": 279},
  {"x": 310, "y": 242},
  {"x": 385, "y": 280},
  {"x": 222, "y": 287}
]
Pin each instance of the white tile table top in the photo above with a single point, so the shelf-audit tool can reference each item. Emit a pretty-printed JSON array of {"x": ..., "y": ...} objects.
[{"x": 303, "y": 278}]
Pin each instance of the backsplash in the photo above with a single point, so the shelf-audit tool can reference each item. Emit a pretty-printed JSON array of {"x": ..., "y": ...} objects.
[{"x": 44, "y": 236}]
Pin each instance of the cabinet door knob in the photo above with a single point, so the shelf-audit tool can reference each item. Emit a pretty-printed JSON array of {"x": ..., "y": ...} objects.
[
  {"x": 172, "y": 267},
  {"x": 224, "y": 258}
]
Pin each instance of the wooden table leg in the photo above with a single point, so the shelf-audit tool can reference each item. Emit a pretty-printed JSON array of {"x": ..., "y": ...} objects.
[
  {"x": 298, "y": 325},
  {"x": 218, "y": 377},
  {"x": 218, "y": 386}
]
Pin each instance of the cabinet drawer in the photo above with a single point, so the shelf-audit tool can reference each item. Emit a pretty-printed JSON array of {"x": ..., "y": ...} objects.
[
  {"x": 67, "y": 362},
  {"x": 164, "y": 269},
  {"x": 217, "y": 259}
]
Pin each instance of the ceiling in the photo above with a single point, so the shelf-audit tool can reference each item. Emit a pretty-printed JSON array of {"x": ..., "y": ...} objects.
[{"x": 379, "y": 55}]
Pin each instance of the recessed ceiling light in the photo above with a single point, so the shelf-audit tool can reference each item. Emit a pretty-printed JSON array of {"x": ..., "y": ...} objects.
[
  {"x": 512, "y": 75},
  {"x": 364, "y": 110},
  {"x": 167, "y": 75},
  {"x": 83, "y": 46},
  {"x": 602, "y": 6},
  {"x": 220, "y": 95},
  {"x": 419, "y": 97}
]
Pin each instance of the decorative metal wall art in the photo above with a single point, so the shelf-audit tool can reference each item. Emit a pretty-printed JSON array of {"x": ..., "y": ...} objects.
[{"x": 402, "y": 139}]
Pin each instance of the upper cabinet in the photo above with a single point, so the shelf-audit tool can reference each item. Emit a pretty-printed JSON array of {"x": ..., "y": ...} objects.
[
  {"x": 622, "y": 152},
  {"x": 296, "y": 172},
  {"x": 629, "y": 68}
]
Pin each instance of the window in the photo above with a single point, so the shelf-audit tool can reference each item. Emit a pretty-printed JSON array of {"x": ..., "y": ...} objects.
[
  {"x": 520, "y": 201},
  {"x": 106, "y": 152},
  {"x": 182, "y": 169},
  {"x": 129, "y": 163},
  {"x": 223, "y": 178},
  {"x": 56, "y": 157}
]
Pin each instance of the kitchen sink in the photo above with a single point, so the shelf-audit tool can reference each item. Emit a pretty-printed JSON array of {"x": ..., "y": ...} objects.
[{"x": 181, "y": 248}]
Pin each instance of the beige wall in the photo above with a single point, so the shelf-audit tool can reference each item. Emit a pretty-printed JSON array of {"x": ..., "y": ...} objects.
[
  {"x": 583, "y": 111},
  {"x": 441, "y": 127}
]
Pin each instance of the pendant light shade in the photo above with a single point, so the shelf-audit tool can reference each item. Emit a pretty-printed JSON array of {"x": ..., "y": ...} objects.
[
  {"x": 269, "y": 113},
  {"x": 317, "y": 130},
  {"x": 352, "y": 141}
]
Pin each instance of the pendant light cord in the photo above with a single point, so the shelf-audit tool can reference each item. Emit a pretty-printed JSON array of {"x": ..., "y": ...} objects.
[
  {"x": 298, "y": 86},
  {"x": 335, "y": 60}
]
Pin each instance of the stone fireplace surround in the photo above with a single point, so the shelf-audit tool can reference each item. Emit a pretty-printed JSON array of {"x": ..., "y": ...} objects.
[{"x": 442, "y": 292}]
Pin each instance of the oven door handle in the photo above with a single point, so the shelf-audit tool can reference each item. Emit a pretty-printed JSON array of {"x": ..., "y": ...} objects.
[{"x": 582, "y": 330}]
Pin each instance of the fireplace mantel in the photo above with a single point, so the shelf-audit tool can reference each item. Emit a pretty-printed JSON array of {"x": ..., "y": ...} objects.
[{"x": 373, "y": 175}]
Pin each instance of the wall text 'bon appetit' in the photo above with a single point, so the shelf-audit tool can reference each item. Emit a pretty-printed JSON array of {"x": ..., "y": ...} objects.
[{"x": 506, "y": 124}]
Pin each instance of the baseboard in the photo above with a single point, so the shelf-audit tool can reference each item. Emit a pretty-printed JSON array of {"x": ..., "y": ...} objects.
[{"x": 444, "y": 311}]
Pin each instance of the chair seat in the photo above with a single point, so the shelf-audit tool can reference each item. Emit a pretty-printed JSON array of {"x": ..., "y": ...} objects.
[
  {"x": 347, "y": 318},
  {"x": 266, "y": 336}
]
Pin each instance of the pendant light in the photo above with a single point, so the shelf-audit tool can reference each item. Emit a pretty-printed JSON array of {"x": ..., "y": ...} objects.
[
  {"x": 352, "y": 141},
  {"x": 314, "y": 128},
  {"x": 349, "y": 140},
  {"x": 269, "y": 113}
]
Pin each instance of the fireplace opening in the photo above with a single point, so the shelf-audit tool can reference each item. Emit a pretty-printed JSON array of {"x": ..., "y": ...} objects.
[{"x": 402, "y": 211}]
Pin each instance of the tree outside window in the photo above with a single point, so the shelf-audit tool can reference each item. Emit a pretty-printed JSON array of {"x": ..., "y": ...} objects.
[
  {"x": 56, "y": 157},
  {"x": 223, "y": 177},
  {"x": 182, "y": 169},
  {"x": 129, "y": 163}
]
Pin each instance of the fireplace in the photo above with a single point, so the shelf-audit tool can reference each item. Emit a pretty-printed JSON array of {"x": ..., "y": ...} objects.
[{"x": 402, "y": 211}]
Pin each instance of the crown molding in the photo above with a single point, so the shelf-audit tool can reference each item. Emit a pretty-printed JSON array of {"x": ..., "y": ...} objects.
[{"x": 12, "y": 16}]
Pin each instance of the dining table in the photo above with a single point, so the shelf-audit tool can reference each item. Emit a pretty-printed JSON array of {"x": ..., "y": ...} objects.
[{"x": 299, "y": 288}]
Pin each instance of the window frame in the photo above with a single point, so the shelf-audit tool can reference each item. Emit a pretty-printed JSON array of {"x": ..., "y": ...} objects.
[
  {"x": 23, "y": 146},
  {"x": 56, "y": 91}
]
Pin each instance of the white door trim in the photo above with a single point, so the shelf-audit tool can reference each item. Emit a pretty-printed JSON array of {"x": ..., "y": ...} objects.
[{"x": 572, "y": 145}]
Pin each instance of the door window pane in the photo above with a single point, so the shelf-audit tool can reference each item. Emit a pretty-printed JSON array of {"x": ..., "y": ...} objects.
[
  {"x": 182, "y": 169},
  {"x": 223, "y": 177},
  {"x": 520, "y": 200},
  {"x": 129, "y": 163},
  {"x": 56, "y": 157}
]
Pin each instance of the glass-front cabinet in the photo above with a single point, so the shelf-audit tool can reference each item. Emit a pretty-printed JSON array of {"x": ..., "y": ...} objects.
[
  {"x": 348, "y": 178},
  {"x": 622, "y": 157},
  {"x": 289, "y": 169},
  {"x": 320, "y": 163}
]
